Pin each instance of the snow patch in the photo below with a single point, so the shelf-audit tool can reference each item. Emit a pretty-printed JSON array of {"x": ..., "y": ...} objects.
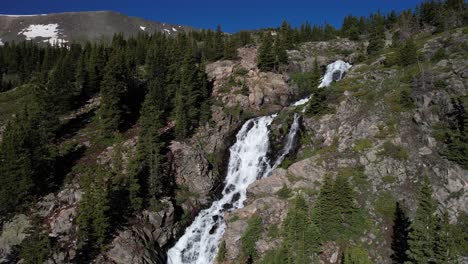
[
  {"x": 1, "y": 43},
  {"x": 49, "y": 31},
  {"x": 168, "y": 31},
  {"x": 142, "y": 28},
  {"x": 173, "y": 29},
  {"x": 23, "y": 15}
]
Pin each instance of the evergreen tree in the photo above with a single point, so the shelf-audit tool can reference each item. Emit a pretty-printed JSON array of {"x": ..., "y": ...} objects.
[
  {"x": 36, "y": 247},
  {"x": 218, "y": 44},
  {"x": 401, "y": 229},
  {"x": 408, "y": 53},
  {"x": 421, "y": 238},
  {"x": 377, "y": 35},
  {"x": 94, "y": 210},
  {"x": 280, "y": 52},
  {"x": 327, "y": 215},
  {"x": 26, "y": 160},
  {"x": 266, "y": 56},
  {"x": 286, "y": 35},
  {"x": 230, "y": 50},
  {"x": 301, "y": 235},
  {"x": 444, "y": 247},
  {"x": 113, "y": 90}
]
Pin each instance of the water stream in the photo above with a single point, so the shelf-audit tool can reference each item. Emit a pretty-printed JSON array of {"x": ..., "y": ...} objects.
[{"x": 247, "y": 162}]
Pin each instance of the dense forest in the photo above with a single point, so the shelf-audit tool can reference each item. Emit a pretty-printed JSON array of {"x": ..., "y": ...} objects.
[{"x": 158, "y": 83}]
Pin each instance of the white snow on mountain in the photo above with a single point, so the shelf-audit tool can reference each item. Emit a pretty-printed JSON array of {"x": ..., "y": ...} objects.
[
  {"x": 1, "y": 43},
  {"x": 23, "y": 15},
  {"x": 168, "y": 31},
  {"x": 142, "y": 28},
  {"x": 173, "y": 29},
  {"x": 50, "y": 32}
]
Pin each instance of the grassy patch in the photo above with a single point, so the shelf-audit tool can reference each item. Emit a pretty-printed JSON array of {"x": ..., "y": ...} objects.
[
  {"x": 385, "y": 205},
  {"x": 284, "y": 193},
  {"x": 251, "y": 235},
  {"x": 393, "y": 151},
  {"x": 362, "y": 144},
  {"x": 389, "y": 179}
]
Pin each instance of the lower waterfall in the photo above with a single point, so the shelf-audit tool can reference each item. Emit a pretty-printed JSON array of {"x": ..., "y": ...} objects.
[{"x": 248, "y": 162}]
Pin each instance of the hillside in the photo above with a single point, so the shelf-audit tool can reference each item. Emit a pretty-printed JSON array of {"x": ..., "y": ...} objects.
[
  {"x": 276, "y": 146},
  {"x": 78, "y": 27}
]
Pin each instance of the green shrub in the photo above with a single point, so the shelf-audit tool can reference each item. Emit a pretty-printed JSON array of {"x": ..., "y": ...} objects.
[
  {"x": 356, "y": 255},
  {"x": 251, "y": 235},
  {"x": 362, "y": 144},
  {"x": 284, "y": 193},
  {"x": 385, "y": 205},
  {"x": 394, "y": 151},
  {"x": 221, "y": 252},
  {"x": 439, "y": 55},
  {"x": 389, "y": 179}
]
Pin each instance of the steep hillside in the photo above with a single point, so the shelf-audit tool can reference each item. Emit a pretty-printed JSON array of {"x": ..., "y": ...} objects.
[
  {"x": 382, "y": 129},
  {"x": 78, "y": 27}
]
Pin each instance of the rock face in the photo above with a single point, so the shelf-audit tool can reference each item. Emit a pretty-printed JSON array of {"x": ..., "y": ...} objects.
[
  {"x": 240, "y": 83},
  {"x": 243, "y": 91},
  {"x": 303, "y": 59},
  {"x": 142, "y": 243},
  {"x": 335, "y": 142},
  {"x": 13, "y": 233}
]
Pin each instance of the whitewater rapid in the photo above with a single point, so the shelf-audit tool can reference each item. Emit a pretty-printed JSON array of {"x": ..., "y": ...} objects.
[{"x": 248, "y": 162}]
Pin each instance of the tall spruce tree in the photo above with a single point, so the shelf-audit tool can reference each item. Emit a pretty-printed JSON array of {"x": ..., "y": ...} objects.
[
  {"x": 422, "y": 236},
  {"x": 113, "y": 90},
  {"x": 377, "y": 35},
  {"x": 401, "y": 229},
  {"x": 266, "y": 56}
]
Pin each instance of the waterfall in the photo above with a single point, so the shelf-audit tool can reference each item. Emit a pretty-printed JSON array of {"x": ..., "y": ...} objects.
[{"x": 247, "y": 162}]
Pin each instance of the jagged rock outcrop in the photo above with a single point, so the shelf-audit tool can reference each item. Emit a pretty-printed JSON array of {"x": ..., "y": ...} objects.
[
  {"x": 243, "y": 91},
  {"x": 143, "y": 241},
  {"x": 13, "y": 233},
  {"x": 355, "y": 135}
]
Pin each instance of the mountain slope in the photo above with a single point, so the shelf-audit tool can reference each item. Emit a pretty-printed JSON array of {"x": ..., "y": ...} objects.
[{"x": 77, "y": 26}]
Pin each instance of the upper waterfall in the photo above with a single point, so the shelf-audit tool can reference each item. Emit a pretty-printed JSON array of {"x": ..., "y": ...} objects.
[{"x": 247, "y": 162}]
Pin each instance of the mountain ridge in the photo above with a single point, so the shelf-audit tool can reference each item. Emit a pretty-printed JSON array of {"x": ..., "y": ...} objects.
[{"x": 79, "y": 26}]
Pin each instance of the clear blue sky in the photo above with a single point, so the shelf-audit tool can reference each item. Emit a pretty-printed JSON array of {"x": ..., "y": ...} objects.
[{"x": 233, "y": 15}]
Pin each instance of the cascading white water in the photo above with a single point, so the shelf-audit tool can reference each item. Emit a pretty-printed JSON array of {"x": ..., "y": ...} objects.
[
  {"x": 248, "y": 162},
  {"x": 335, "y": 72}
]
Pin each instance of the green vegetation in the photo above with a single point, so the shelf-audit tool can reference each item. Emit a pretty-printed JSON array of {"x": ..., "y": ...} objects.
[
  {"x": 356, "y": 255},
  {"x": 394, "y": 151},
  {"x": 284, "y": 192},
  {"x": 362, "y": 144},
  {"x": 251, "y": 235},
  {"x": 221, "y": 252},
  {"x": 385, "y": 205},
  {"x": 455, "y": 136},
  {"x": 307, "y": 82}
]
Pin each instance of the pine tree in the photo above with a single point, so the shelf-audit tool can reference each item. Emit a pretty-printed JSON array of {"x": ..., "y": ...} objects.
[
  {"x": 230, "y": 50},
  {"x": 444, "y": 247},
  {"x": 286, "y": 35},
  {"x": 326, "y": 214},
  {"x": 266, "y": 56},
  {"x": 280, "y": 52},
  {"x": 422, "y": 236},
  {"x": 401, "y": 229},
  {"x": 408, "y": 53},
  {"x": 301, "y": 235},
  {"x": 218, "y": 43},
  {"x": 26, "y": 160},
  {"x": 377, "y": 35},
  {"x": 113, "y": 90}
]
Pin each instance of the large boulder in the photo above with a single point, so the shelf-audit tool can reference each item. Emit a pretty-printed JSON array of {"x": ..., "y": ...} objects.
[{"x": 13, "y": 233}]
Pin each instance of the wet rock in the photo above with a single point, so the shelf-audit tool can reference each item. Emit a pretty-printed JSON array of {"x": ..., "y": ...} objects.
[{"x": 13, "y": 233}]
